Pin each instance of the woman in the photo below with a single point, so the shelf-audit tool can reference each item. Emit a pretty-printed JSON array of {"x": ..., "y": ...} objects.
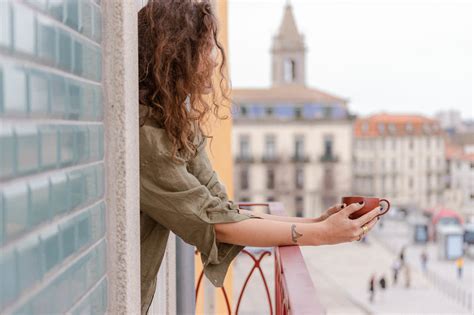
[{"x": 179, "y": 190}]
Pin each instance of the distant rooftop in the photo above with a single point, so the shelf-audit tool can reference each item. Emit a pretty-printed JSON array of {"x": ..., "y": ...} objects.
[{"x": 395, "y": 125}]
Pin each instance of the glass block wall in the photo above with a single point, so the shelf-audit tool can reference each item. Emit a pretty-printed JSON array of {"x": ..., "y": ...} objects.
[{"x": 52, "y": 210}]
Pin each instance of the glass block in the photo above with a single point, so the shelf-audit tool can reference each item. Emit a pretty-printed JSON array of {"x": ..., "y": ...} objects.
[
  {"x": 72, "y": 14},
  {"x": 50, "y": 247},
  {"x": 83, "y": 225},
  {"x": 39, "y": 201},
  {"x": 86, "y": 25},
  {"x": 65, "y": 50},
  {"x": 62, "y": 291},
  {"x": 101, "y": 142},
  {"x": 58, "y": 96},
  {"x": 77, "y": 188},
  {"x": 14, "y": 89},
  {"x": 78, "y": 58},
  {"x": 15, "y": 198},
  {"x": 68, "y": 238},
  {"x": 67, "y": 145},
  {"x": 27, "y": 144},
  {"x": 59, "y": 193},
  {"x": 98, "y": 56},
  {"x": 7, "y": 152},
  {"x": 90, "y": 183},
  {"x": 74, "y": 99},
  {"x": 90, "y": 62},
  {"x": 97, "y": 214},
  {"x": 100, "y": 179},
  {"x": 24, "y": 32},
  {"x": 24, "y": 309},
  {"x": 82, "y": 143},
  {"x": 101, "y": 259},
  {"x": 97, "y": 16},
  {"x": 39, "y": 92},
  {"x": 8, "y": 281},
  {"x": 29, "y": 262},
  {"x": 89, "y": 99},
  {"x": 49, "y": 146},
  {"x": 56, "y": 8},
  {"x": 94, "y": 142},
  {"x": 40, "y": 4},
  {"x": 2, "y": 221},
  {"x": 2, "y": 92},
  {"x": 99, "y": 104},
  {"x": 5, "y": 24},
  {"x": 77, "y": 273},
  {"x": 46, "y": 40}
]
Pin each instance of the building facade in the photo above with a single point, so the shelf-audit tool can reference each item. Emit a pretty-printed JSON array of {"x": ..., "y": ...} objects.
[
  {"x": 400, "y": 157},
  {"x": 291, "y": 143}
]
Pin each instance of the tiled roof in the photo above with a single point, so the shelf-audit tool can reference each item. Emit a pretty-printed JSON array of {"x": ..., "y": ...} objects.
[
  {"x": 395, "y": 125},
  {"x": 294, "y": 93},
  {"x": 455, "y": 152}
]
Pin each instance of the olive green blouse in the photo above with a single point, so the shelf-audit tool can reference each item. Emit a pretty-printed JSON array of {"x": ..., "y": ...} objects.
[{"x": 187, "y": 198}]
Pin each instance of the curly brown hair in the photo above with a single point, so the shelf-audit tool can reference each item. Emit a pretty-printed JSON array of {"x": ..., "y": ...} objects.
[{"x": 176, "y": 39}]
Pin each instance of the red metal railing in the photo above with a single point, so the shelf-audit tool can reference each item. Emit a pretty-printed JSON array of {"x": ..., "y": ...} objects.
[{"x": 294, "y": 291}]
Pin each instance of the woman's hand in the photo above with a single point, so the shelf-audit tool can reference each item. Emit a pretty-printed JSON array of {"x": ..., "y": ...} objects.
[
  {"x": 329, "y": 212},
  {"x": 339, "y": 228}
]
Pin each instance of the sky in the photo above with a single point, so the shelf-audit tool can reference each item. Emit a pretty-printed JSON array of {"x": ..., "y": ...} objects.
[{"x": 395, "y": 56}]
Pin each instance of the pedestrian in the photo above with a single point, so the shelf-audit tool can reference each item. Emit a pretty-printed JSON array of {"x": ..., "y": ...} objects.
[
  {"x": 407, "y": 276},
  {"x": 460, "y": 265},
  {"x": 383, "y": 285},
  {"x": 424, "y": 260},
  {"x": 402, "y": 256},
  {"x": 396, "y": 269},
  {"x": 372, "y": 288}
]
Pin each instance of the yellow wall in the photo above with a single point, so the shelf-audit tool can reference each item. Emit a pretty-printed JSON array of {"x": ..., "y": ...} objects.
[{"x": 221, "y": 157}]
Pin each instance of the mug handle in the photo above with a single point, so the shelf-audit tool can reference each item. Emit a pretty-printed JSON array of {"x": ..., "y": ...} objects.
[{"x": 388, "y": 205}]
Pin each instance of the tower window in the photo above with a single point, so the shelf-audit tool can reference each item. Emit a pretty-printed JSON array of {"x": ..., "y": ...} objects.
[{"x": 289, "y": 70}]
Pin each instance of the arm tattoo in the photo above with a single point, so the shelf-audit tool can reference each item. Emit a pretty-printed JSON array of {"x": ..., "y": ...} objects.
[{"x": 294, "y": 235}]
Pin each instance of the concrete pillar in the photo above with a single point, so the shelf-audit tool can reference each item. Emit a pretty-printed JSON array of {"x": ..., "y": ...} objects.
[{"x": 120, "y": 65}]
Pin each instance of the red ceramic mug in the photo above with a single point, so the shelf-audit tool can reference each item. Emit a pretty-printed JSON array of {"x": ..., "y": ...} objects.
[{"x": 369, "y": 204}]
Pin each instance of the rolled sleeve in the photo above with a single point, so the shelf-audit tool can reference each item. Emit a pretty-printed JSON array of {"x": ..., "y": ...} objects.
[{"x": 177, "y": 199}]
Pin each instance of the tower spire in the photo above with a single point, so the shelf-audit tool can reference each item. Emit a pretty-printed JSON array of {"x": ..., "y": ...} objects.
[{"x": 288, "y": 51}]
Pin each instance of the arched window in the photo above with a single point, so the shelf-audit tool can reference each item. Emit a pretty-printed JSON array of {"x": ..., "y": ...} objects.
[{"x": 289, "y": 70}]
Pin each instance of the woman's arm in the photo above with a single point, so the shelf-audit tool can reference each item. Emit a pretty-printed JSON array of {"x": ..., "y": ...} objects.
[
  {"x": 272, "y": 217},
  {"x": 338, "y": 228}
]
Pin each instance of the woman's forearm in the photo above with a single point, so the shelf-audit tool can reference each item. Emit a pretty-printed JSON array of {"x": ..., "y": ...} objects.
[
  {"x": 279, "y": 217},
  {"x": 263, "y": 233}
]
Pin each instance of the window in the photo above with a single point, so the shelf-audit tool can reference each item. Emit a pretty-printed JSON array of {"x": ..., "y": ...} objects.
[
  {"x": 270, "y": 146},
  {"x": 299, "y": 147},
  {"x": 328, "y": 145},
  {"x": 244, "y": 179},
  {"x": 289, "y": 70},
  {"x": 270, "y": 199},
  {"x": 391, "y": 128},
  {"x": 409, "y": 128},
  {"x": 298, "y": 112},
  {"x": 270, "y": 178},
  {"x": 410, "y": 144},
  {"x": 381, "y": 128},
  {"x": 412, "y": 163},
  {"x": 269, "y": 111},
  {"x": 243, "y": 111},
  {"x": 410, "y": 182},
  {"x": 244, "y": 143},
  {"x": 299, "y": 206},
  {"x": 365, "y": 127},
  {"x": 299, "y": 178}
]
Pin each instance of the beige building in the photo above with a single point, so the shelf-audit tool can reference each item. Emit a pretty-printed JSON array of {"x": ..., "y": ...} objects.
[
  {"x": 291, "y": 143},
  {"x": 400, "y": 157},
  {"x": 459, "y": 184}
]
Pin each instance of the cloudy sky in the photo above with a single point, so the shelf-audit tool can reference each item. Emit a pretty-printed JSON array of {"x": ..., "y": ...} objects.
[{"x": 403, "y": 56}]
